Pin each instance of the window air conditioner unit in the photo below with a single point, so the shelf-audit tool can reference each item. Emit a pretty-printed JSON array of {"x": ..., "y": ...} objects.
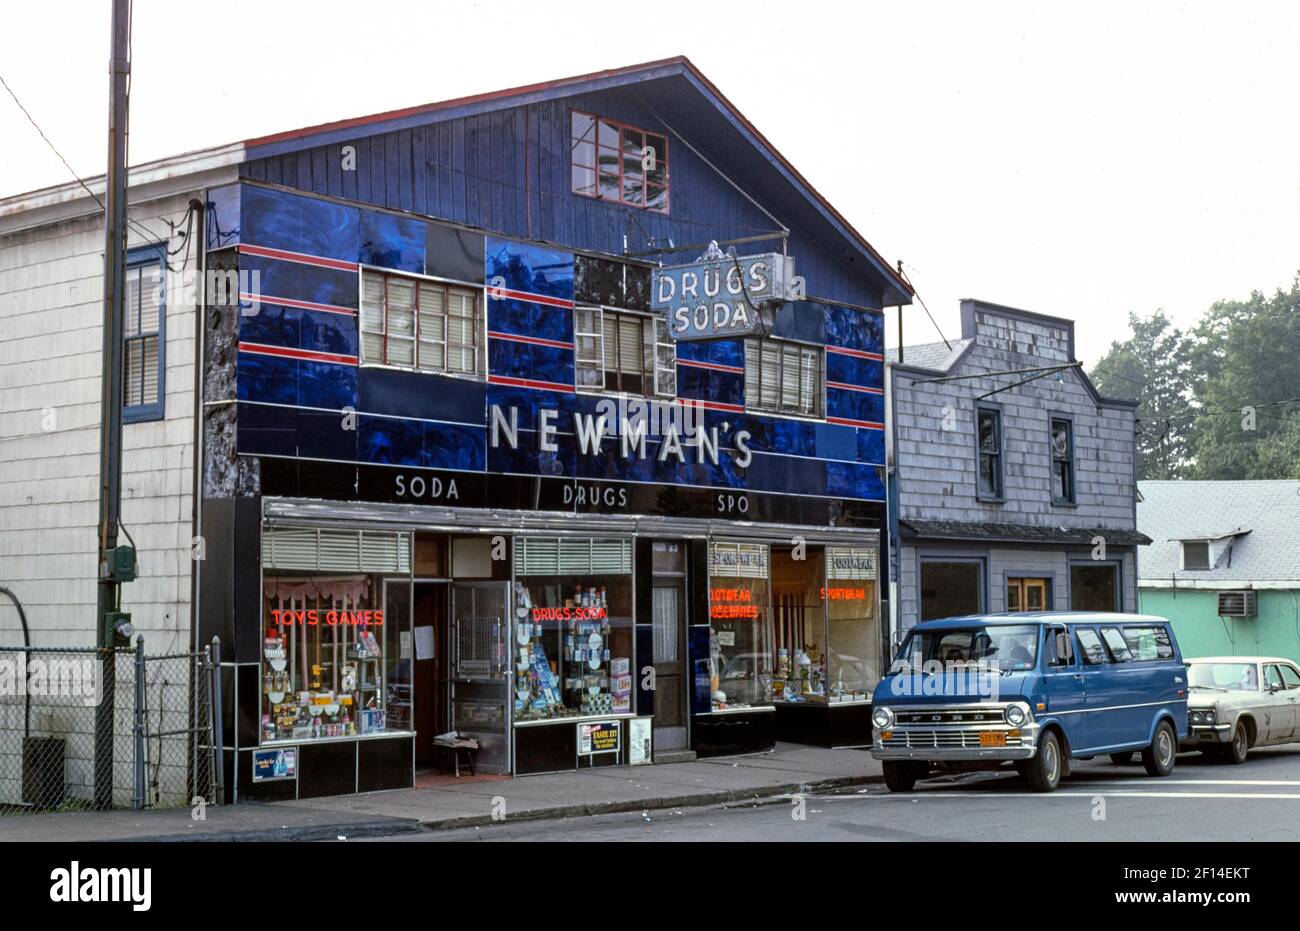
[{"x": 1237, "y": 604}]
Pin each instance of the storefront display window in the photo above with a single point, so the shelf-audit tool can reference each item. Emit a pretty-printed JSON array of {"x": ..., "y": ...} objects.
[
  {"x": 853, "y": 623},
  {"x": 799, "y": 628},
  {"x": 336, "y": 641},
  {"x": 740, "y": 648},
  {"x": 573, "y": 634}
]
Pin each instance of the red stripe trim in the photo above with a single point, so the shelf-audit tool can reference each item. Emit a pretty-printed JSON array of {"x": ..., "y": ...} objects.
[
  {"x": 856, "y": 353},
  {"x": 845, "y": 387},
  {"x": 294, "y": 302},
  {"x": 533, "y": 340},
  {"x": 301, "y": 258},
  {"x": 530, "y": 383},
  {"x": 711, "y": 366},
  {"x": 501, "y": 294},
  {"x": 264, "y": 350},
  {"x": 846, "y": 422},
  {"x": 711, "y": 405}
]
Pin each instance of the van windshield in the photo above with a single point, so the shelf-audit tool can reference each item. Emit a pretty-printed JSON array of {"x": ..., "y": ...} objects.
[{"x": 1010, "y": 648}]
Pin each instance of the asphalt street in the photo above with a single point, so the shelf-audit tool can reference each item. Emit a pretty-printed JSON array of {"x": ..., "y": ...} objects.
[{"x": 1201, "y": 800}]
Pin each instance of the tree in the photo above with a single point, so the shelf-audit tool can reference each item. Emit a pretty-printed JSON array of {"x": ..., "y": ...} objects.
[
  {"x": 1246, "y": 369},
  {"x": 1154, "y": 367}
]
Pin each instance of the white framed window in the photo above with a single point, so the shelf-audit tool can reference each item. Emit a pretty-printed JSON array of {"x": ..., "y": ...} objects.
[
  {"x": 420, "y": 324},
  {"x": 622, "y": 351},
  {"x": 784, "y": 377}
]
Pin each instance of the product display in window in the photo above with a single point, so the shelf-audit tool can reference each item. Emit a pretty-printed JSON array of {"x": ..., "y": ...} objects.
[
  {"x": 799, "y": 625},
  {"x": 740, "y": 654},
  {"x": 573, "y": 648},
  {"x": 331, "y": 666},
  {"x": 853, "y": 624}
]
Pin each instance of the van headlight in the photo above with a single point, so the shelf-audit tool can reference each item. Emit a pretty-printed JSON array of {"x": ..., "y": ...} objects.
[
  {"x": 1016, "y": 715},
  {"x": 882, "y": 718}
]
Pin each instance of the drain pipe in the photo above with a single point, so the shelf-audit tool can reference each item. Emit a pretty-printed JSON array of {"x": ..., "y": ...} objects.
[{"x": 27, "y": 646}]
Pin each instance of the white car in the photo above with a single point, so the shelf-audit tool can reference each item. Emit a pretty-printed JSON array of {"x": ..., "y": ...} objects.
[{"x": 1235, "y": 703}]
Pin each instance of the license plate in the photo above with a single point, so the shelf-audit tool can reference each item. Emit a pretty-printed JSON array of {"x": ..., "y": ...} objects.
[{"x": 993, "y": 739}]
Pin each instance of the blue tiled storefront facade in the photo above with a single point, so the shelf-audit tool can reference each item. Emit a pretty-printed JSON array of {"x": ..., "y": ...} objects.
[{"x": 322, "y": 416}]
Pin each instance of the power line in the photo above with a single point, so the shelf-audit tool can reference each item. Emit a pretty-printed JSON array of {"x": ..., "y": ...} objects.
[
  {"x": 95, "y": 197},
  {"x": 922, "y": 302}
]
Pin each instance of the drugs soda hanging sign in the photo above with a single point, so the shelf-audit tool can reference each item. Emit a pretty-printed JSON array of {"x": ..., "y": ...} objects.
[{"x": 719, "y": 296}]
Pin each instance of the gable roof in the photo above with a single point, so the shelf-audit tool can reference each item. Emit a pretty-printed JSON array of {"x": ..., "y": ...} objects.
[
  {"x": 939, "y": 357},
  {"x": 1257, "y": 519},
  {"x": 669, "y": 83}
]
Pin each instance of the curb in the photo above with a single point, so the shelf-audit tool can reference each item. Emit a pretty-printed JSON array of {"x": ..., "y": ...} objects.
[
  {"x": 696, "y": 800},
  {"x": 306, "y": 834}
]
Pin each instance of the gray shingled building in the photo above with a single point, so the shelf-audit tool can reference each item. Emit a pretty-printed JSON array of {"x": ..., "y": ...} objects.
[{"x": 1013, "y": 484}]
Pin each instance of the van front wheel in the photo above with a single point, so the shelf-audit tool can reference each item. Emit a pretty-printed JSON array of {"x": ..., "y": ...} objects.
[
  {"x": 1159, "y": 757},
  {"x": 901, "y": 775},
  {"x": 1045, "y": 768}
]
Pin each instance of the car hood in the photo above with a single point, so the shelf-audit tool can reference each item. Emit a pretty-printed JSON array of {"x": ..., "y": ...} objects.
[
  {"x": 926, "y": 689},
  {"x": 1208, "y": 698}
]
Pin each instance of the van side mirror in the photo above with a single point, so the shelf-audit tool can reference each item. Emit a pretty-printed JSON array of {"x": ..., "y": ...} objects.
[{"x": 1064, "y": 656}]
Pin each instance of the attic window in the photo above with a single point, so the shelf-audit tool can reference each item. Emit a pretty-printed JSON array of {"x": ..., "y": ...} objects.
[
  {"x": 617, "y": 162},
  {"x": 1196, "y": 554}
]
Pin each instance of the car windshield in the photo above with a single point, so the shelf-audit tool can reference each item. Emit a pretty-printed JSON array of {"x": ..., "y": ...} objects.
[
  {"x": 1224, "y": 676},
  {"x": 1009, "y": 648}
]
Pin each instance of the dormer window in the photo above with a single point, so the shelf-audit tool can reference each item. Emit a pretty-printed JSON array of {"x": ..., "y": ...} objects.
[{"x": 1196, "y": 554}]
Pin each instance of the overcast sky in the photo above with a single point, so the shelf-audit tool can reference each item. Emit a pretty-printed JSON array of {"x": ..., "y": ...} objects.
[{"x": 1085, "y": 162}]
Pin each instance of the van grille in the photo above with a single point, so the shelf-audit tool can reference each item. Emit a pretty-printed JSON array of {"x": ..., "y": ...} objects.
[
  {"x": 955, "y": 738},
  {"x": 951, "y": 716}
]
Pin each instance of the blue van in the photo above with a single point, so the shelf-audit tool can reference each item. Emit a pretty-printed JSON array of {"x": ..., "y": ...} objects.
[{"x": 1035, "y": 688}]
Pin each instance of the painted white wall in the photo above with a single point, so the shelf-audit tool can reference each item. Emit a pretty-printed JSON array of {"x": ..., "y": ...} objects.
[{"x": 51, "y": 286}]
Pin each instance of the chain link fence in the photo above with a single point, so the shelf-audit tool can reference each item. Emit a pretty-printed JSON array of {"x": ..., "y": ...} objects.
[{"x": 92, "y": 728}]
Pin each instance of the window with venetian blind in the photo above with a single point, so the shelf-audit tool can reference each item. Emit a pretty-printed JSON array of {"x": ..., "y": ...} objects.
[
  {"x": 144, "y": 320},
  {"x": 784, "y": 377},
  {"x": 625, "y": 352},
  {"x": 420, "y": 325}
]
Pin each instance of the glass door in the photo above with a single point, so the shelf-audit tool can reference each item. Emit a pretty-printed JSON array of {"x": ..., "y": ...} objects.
[{"x": 479, "y": 682}]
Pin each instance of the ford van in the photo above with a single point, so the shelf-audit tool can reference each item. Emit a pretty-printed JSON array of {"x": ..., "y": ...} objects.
[{"x": 1038, "y": 689}]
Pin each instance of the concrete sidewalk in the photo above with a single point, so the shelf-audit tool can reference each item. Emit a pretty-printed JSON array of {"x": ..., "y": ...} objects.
[{"x": 788, "y": 769}]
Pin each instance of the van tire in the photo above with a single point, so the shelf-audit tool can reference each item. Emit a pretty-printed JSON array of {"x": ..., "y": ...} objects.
[
  {"x": 1046, "y": 766},
  {"x": 901, "y": 775},
  {"x": 1159, "y": 757},
  {"x": 1122, "y": 759}
]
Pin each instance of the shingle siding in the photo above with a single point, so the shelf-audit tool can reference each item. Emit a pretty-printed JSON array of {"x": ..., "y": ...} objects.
[
  {"x": 50, "y": 342},
  {"x": 933, "y": 450}
]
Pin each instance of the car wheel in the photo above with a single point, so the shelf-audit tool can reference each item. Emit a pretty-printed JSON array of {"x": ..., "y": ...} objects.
[
  {"x": 1045, "y": 767},
  {"x": 1159, "y": 757},
  {"x": 901, "y": 775},
  {"x": 1122, "y": 759},
  {"x": 1236, "y": 751}
]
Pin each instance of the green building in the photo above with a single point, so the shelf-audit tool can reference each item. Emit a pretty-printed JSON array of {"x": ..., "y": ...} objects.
[{"x": 1223, "y": 565}]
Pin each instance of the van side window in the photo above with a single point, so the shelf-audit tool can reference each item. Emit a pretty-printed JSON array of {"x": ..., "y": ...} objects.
[
  {"x": 1148, "y": 644},
  {"x": 1094, "y": 654},
  {"x": 1059, "y": 647},
  {"x": 1119, "y": 651}
]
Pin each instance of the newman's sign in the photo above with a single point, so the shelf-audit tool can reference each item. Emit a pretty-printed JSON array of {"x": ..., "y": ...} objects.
[{"x": 720, "y": 296}]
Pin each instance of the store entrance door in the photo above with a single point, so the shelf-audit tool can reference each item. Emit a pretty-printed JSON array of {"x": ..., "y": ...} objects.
[
  {"x": 668, "y": 601},
  {"x": 432, "y": 685},
  {"x": 480, "y": 628}
]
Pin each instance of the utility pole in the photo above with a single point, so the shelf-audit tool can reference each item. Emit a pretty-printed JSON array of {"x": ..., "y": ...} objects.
[{"x": 116, "y": 563}]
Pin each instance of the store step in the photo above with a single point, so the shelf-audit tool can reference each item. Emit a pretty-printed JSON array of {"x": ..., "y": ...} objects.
[{"x": 675, "y": 756}]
